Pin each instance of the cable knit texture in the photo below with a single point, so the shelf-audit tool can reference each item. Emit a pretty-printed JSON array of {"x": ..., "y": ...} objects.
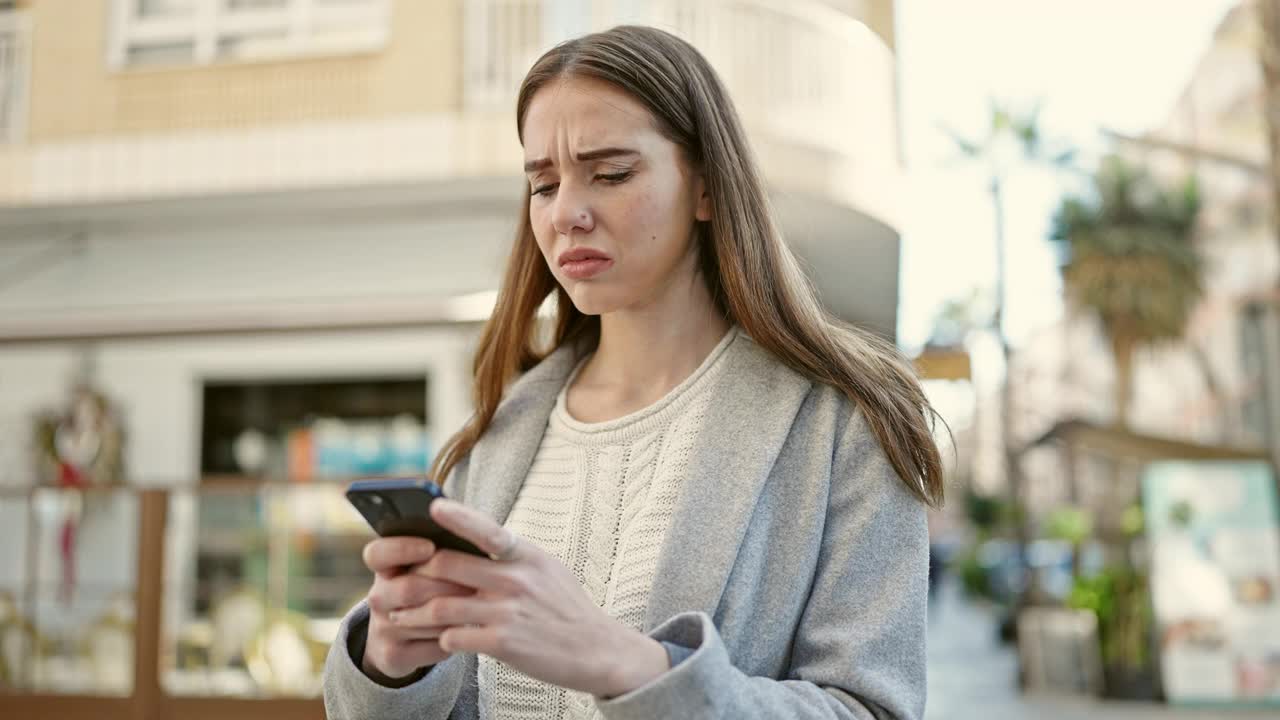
[{"x": 599, "y": 497}]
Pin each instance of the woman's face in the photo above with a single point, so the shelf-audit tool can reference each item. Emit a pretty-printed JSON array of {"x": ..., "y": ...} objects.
[{"x": 613, "y": 202}]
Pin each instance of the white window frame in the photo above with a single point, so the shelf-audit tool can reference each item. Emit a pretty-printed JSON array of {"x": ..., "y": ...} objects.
[
  {"x": 210, "y": 23},
  {"x": 16, "y": 67}
]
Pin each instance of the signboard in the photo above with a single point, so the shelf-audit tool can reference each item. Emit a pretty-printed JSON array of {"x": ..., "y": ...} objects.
[{"x": 1215, "y": 580}]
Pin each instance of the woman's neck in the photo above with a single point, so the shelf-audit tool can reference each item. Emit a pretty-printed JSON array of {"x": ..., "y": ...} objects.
[{"x": 645, "y": 352}]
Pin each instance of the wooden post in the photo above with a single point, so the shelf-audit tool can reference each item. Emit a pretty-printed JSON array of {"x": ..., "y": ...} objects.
[
  {"x": 152, "y": 512},
  {"x": 25, "y": 675}
]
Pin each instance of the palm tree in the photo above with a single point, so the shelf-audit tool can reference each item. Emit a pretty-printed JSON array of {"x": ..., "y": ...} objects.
[
  {"x": 1132, "y": 262},
  {"x": 1010, "y": 137}
]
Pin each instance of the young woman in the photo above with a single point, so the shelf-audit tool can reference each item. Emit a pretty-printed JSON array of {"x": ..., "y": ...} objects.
[{"x": 706, "y": 499}]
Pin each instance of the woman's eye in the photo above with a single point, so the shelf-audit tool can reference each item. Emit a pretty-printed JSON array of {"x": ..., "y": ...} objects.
[
  {"x": 615, "y": 178},
  {"x": 544, "y": 189}
]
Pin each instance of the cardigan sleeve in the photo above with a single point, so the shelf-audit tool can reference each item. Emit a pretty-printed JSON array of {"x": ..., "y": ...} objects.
[
  {"x": 859, "y": 649},
  {"x": 349, "y": 693}
]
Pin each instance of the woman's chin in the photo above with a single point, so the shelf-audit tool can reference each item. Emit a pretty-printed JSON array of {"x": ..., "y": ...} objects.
[{"x": 593, "y": 303}]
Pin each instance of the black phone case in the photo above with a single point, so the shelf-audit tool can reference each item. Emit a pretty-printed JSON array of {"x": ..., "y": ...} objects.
[{"x": 406, "y": 514}]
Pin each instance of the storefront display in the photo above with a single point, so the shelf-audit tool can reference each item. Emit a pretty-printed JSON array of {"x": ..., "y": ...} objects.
[
  {"x": 330, "y": 448},
  {"x": 1215, "y": 545},
  {"x": 259, "y": 578},
  {"x": 60, "y": 638},
  {"x": 78, "y": 447},
  {"x": 81, "y": 445},
  {"x": 276, "y": 567},
  {"x": 330, "y": 430},
  {"x": 18, "y": 640},
  {"x": 223, "y": 591}
]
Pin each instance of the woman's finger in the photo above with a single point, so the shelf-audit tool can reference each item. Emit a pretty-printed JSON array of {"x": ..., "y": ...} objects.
[
  {"x": 473, "y": 639},
  {"x": 451, "y": 611},
  {"x": 475, "y": 526},
  {"x": 410, "y": 590},
  {"x": 473, "y": 572},
  {"x": 445, "y": 585},
  {"x": 418, "y": 634},
  {"x": 389, "y": 556}
]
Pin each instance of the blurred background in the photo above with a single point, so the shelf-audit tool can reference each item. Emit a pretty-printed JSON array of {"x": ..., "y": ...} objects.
[{"x": 246, "y": 247}]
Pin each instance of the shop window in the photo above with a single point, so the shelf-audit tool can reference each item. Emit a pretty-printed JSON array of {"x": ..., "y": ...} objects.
[
  {"x": 264, "y": 556},
  {"x": 259, "y": 578},
  {"x": 321, "y": 430}
]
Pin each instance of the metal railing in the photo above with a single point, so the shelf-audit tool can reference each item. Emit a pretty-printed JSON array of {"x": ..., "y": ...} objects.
[{"x": 14, "y": 73}]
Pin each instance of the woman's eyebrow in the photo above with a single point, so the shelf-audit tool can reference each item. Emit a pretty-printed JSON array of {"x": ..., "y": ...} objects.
[{"x": 585, "y": 156}]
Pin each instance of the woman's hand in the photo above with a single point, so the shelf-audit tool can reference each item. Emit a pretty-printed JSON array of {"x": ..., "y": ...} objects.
[
  {"x": 529, "y": 611},
  {"x": 393, "y": 653}
]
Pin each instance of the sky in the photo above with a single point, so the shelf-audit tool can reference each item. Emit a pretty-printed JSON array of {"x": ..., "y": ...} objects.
[{"x": 1116, "y": 64}]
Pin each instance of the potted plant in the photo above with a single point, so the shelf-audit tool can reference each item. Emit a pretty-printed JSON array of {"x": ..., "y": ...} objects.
[{"x": 1120, "y": 596}]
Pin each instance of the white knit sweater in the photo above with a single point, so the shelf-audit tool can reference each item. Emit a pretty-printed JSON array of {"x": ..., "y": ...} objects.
[{"x": 599, "y": 497}]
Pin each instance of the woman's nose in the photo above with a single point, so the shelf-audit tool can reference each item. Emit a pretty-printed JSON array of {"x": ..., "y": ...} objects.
[{"x": 571, "y": 212}]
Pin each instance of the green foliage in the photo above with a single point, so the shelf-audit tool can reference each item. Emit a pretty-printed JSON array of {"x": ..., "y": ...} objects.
[
  {"x": 1016, "y": 127},
  {"x": 1121, "y": 601},
  {"x": 1069, "y": 523},
  {"x": 1181, "y": 514},
  {"x": 973, "y": 577},
  {"x": 981, "y": 510},
  {"x": 1093, "y": 593},
  {"x": 985, "y": 512},
  {"x": 1132, "y": 256},
  {"x": 1133, "y": 521}
]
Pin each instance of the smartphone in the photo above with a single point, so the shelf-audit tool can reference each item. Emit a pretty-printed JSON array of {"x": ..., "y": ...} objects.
[{"x": 399, "y": 507}]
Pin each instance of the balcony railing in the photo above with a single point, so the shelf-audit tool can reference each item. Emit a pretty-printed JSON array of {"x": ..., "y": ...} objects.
[
  {"x": 799, "y": 67},
  {"x": 14, "y": 73}
]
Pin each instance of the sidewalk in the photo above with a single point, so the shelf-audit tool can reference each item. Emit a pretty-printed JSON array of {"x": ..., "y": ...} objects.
[{"x": 972, "y": 677}]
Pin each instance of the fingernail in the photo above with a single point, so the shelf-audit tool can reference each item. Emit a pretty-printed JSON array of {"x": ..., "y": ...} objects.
[{"x": 394, "y": 616}]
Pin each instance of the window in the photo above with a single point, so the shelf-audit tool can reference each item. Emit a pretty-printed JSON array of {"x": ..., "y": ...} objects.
[
  {"x": 15, "y": 64},
  {"x": 150, "y": 33}
]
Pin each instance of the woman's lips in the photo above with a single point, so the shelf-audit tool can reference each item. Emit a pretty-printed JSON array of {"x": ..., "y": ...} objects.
[{"x": 585, "y": 268}]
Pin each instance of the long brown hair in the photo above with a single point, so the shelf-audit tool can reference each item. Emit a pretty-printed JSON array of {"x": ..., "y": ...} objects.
[{"x": 753, "y": 276}]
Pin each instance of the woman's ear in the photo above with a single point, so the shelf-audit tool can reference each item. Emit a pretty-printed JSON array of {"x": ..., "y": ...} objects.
[{"x": 702, "y": 208}]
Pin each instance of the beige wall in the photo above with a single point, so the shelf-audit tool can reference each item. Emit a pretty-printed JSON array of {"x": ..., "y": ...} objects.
[
  {"x": 880, "y": 18},
  {"x": 75, "y": 95},
  {"x": 877, "y": 14}
]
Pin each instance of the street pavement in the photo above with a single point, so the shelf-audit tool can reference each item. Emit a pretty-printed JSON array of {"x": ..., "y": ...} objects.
[{"x": 973, "y": 677}]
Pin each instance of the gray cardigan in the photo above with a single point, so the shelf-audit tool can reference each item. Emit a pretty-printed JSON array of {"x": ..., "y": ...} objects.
[{"x": 795, "y": 565}]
